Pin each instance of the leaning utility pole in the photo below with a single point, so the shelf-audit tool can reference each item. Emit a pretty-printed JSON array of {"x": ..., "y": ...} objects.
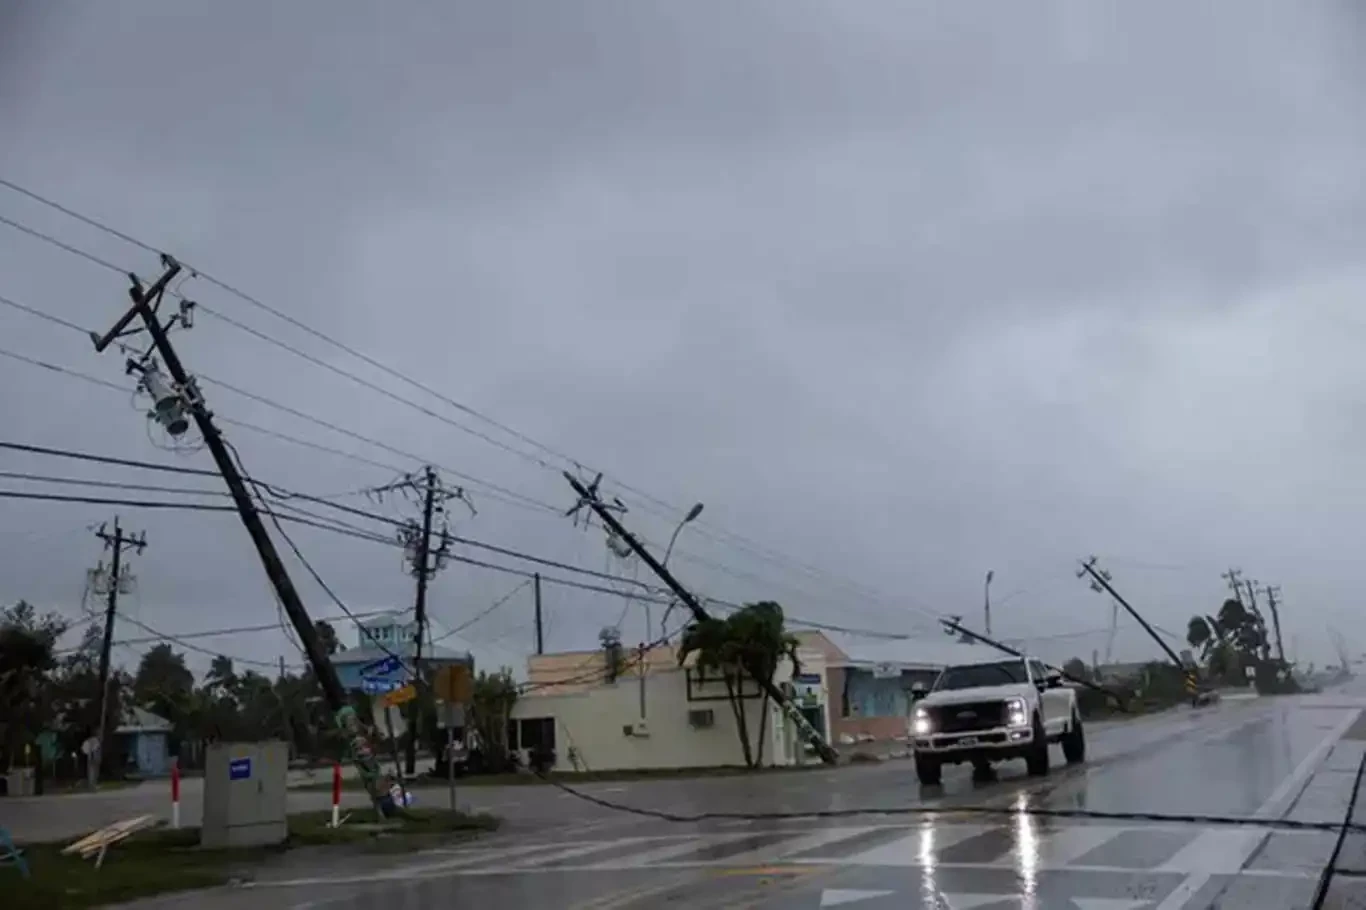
[
  {"x": 116, "y": 543},
  {"x": 588, "y": 495},
  {"x": 171, "y": 401},
  {"x": 1271, "y": 591},
  {"x": 426, "y": 561},
  {"x": 1100, "y": 581}
]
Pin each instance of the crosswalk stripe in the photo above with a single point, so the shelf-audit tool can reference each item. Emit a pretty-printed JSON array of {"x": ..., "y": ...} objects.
[
  {"x": 916, "y": 849},
  {"x": 1215, "y": 850},
  {"x": 1058, "y": 848},
  {"x": 665, "y": 853},
  {"x": 800, "y": 843}
]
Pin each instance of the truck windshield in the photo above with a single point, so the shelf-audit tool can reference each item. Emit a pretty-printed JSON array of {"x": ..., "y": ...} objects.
[{"x": 973, "y": 675}]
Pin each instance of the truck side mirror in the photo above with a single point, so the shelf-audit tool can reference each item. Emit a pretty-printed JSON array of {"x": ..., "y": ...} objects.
[{"x": 1053, "y": 680}]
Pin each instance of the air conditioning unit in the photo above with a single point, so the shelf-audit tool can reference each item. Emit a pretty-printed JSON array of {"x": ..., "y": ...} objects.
[
  {"x": 639, "y": 728},
  {"x": 701, "y": 717}
]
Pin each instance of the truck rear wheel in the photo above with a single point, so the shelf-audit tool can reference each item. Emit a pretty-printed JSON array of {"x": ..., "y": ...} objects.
[
  {"x": 1074, "y": 741},
  {"x": 1036, "y": 760},
  {"x": 927, "y": 770}
]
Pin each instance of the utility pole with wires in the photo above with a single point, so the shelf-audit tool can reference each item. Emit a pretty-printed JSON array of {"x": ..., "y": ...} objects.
[
  {"x": 424, "y": 560},
  {"x": 1271, "y": 591},
  {"x": 1100, "y": 581},
  {"x": 589, "y": 497},
  {"x": 175, "y": 402},
  {"x": 116, "y": 543},
  {"x": 540, "y": 625},
  {"x": 1235, "y": 584}
]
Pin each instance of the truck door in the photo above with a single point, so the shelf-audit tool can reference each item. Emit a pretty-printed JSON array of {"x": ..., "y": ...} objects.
[{"x": 1054, "y": 701}]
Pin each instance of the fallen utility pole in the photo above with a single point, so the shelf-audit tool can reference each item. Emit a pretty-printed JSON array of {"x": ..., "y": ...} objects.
[
  {"x": 967, "y": 635},
  {"x": 116, "y": 543},
  {"x": 1100, "y": 580},
  {"x": 588, "y": 495},
  {"x": 171, "y": 402}
]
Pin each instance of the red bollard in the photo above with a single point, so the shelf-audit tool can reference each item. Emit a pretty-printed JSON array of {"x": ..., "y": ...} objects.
[
  {"x": 175, "y": 793},
  {"x": 336, "y": 794}
]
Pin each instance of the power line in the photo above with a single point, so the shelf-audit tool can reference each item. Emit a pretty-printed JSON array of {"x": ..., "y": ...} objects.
[
  {"x": 492, "y": 490},
  {"x": 481, "y": 614},
  {"x": 669, "y": 508},
  {"x": 232, "y": 630},
  {"x": 312, "y": 520},
  {"x": 107, "y": 484},
  {"x": 508, "y": 496},
  {"x": 193, "y": 647},
  {"x": 105, "y": 459},
  {"x": 246, "y": 425}
]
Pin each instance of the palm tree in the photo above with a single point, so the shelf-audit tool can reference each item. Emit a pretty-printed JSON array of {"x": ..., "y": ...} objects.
[
  {"x": 1199, "y": 635},
  {"x": 750, "y": 642}
]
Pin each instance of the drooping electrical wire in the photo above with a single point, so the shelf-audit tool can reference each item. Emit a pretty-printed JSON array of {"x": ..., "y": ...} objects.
[{"x": 659, "y": 506}]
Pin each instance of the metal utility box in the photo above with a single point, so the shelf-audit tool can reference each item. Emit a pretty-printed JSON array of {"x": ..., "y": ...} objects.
[{"x": 244, "y": 794}]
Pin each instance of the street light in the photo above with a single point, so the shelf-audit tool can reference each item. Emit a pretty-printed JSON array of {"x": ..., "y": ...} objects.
[
  {"x": 695, "y": 511},
  {"x": 986, "y": 599}
]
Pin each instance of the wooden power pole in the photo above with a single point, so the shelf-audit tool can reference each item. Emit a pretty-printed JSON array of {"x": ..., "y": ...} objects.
[
  {"x": 173, "y": 400},
  {"x": 116, "y": 543}
]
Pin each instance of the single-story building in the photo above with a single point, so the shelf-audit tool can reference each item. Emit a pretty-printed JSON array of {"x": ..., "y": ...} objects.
[
  {"x": 657, "y": 714},
  {"x": 654, "y": 714},
  {"x": 143, "y": 739},
  {"x": 869, "y": 679}
]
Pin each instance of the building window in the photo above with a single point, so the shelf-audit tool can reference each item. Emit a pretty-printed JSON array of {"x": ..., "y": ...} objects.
[{"x": 537, "y": 733}]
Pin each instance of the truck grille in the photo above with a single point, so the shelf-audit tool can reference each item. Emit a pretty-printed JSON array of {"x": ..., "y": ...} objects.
[{"x": 977, "y": 715}]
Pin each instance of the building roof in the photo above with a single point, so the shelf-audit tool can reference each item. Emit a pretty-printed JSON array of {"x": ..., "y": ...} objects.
[
  {"x": 140, "y": 720},
  {"x": 371, "y": 653},
  {"x": 906, "y": 653}
]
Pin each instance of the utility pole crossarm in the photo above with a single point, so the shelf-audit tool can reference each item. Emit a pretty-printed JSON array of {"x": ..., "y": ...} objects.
[{"x": 589, "y": 496}]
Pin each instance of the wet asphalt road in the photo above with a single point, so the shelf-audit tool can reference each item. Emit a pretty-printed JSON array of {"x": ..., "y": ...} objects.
[{"x": 1262, "y": 760}]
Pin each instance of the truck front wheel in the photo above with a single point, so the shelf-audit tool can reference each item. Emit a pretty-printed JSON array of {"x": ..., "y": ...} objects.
[
  {"x": 1036, "y": 760},
  {"x": 927, "y": 770},
  {"x": 1074, "y": 741}
]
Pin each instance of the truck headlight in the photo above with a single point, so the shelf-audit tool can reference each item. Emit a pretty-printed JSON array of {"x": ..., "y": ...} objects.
[
  {"x": 920, "y": 724},
  {"x": 1016, "y": 713}
]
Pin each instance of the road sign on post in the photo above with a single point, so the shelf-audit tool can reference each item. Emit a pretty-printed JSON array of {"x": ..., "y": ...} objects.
[
  {"x": 385, "y": 666},
  {"x": 398, "y": 696},
  {"x": 454, "y": 685}
]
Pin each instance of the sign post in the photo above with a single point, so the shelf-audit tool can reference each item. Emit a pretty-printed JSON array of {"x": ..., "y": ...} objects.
[{"x": 455, "y": 687}]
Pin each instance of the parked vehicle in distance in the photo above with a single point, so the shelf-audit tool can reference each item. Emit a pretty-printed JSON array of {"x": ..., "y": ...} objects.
[{"x": 994, "y": 711}]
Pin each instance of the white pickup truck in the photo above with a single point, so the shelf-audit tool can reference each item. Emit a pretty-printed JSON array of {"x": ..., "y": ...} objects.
[{"x": 993, "y": 711}]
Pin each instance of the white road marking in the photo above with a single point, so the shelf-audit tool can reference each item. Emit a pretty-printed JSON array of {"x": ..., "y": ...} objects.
[
  {"x": 838, "y": 897},
  {"x": 1278, "y": 802},
  {"x": 918, "y": 848}
]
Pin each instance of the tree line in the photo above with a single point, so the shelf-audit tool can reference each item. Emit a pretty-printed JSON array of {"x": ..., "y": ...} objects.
[{"x": 48, "y": 699}]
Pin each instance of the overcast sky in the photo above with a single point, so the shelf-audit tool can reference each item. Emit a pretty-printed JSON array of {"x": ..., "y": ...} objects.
[{"x": 900, "y": 291}]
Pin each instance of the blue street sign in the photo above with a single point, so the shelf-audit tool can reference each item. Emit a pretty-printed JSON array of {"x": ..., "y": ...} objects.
[
  {"x": 382, "y": 667},
  {"x": 239, "y": 769},
  {"x": 379, "y": 686}
]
